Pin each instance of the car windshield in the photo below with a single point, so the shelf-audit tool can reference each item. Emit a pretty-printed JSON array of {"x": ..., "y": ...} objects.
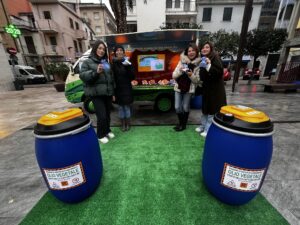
[{"x": 33, "y": 71}]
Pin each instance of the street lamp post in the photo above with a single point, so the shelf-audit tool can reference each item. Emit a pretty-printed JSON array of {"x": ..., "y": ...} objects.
[{"x": 242, "y": 42}]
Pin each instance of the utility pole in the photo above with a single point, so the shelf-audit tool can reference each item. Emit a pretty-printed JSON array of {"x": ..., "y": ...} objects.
[{"x": 242, "y": 42}]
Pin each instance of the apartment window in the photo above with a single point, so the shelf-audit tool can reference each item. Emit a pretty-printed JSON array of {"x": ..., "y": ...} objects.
[
  {"x": 98, "y": 29},
  {"x": 186, "y": 5},
  {"x": 80, "y": 46},
  {"x": 288, "y": 13},
  {"x": 177, "y": 3},
  {"x": 30, "y": 44},
  {"x": 96, "y": 15},
  {"x": 71, "y": 23},
  {"x": 77, "y": 25},
  {"x": 206, "y": 14},
  {"x": 53, "y": 40},
  {"x": 84, "y": 15},
  {"x": 169, "y": 4},
  {"x": 75, "y": 45},
  {"x": 132, "y": 27},
  {"x": 47, "y": 15},
  {"x": 227, "y": 14}
]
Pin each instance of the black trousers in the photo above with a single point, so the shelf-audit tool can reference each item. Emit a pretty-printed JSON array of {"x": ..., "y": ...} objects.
[{"x": 102, "y": 105}]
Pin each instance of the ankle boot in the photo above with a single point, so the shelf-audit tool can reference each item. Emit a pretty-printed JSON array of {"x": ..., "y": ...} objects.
[
  {"x": 179, "y": 115},
  {"x": 185, "y": 119},
  {"x": 181, "y": 126},
  {"x": 127, "y": 124},
  {"x": 123, "y": 125}
]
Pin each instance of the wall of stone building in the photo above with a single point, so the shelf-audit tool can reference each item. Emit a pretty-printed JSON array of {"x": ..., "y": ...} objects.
[{"x": 6, "y": 75}]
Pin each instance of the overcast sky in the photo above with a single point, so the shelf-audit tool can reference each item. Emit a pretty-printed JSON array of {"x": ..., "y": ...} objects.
[{"x": 106, "y": 2}]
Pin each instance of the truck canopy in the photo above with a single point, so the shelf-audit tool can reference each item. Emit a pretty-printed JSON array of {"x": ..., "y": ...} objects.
[{"x": 154, "y": 54}]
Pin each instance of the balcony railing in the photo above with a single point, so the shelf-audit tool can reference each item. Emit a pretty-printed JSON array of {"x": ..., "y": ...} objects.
[
  {"x": 81, "y": 35},
  {"x": 54, "y": 50},
  {"x": 289, "y": 72},
  {"x": 48, "y": 26},
  {"x": 185, "y": 7},
  {"x": 22, "y": 24}
]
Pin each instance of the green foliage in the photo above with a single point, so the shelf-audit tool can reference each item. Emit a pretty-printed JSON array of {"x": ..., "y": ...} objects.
[
  {"x": 226, "y": 43},
  {"x": 261, "y": 42},
  {"x": 59, "y": 69}
]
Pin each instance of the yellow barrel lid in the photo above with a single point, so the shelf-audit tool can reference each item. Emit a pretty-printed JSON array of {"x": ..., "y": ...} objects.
[
  {"x": 245, "y": 113},
  {"x": 55, "y": 117}
]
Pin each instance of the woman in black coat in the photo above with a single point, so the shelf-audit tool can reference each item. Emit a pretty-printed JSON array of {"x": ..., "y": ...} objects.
[
  {"x": 214, "y": 96},
  {"x": 123, "y": 74}
]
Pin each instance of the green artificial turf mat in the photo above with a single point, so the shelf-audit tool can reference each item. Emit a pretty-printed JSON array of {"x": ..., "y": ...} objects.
[{"x": 152, "y": 175}]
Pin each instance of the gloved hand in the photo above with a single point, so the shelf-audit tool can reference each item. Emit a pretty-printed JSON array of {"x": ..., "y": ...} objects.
[{"x": 126, "y": 61}]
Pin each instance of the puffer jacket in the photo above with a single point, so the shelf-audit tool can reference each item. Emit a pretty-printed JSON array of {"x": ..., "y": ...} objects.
[
  {"x": 95, "y": 84},
  {"x": 195, "y": 79}
]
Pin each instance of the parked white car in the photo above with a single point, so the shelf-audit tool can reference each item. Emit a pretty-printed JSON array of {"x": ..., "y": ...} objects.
[{"x": 28, "y": 74}]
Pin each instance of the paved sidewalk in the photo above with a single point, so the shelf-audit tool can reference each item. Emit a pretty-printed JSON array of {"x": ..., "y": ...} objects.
[{"x": 21, "y": 184}]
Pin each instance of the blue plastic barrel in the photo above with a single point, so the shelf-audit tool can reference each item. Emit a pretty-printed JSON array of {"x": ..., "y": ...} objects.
[
  {"x": 68, "y": 154},
  {"x": 196, "y": 102},
  {"x": 237, "y": 154}
]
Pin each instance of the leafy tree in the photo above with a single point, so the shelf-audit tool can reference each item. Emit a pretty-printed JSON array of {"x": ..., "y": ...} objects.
[
  {"x": 261, "y": 42},
  {"x": 226, "y": 43},
  {"x": 119, "y": 8}
]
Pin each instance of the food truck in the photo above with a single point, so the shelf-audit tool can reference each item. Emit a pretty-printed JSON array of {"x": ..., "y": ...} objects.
[{"x": 154, "y": 56}]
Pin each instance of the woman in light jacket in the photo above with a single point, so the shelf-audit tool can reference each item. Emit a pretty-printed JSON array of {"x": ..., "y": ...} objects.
[{"x": 186, "y": 76}]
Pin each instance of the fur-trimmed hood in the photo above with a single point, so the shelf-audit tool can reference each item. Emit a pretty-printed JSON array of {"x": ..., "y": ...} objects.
[{"x": 185, "y": 59}]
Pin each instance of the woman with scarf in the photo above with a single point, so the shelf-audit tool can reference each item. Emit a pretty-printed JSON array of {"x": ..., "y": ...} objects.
[{"x": 186, "y": 76}]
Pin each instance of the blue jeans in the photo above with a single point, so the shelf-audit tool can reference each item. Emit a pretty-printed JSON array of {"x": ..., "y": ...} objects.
[
  {"x": 206, "y": 121},
  {"x": 182, "y": 102},
  {"x": 124, "y": 111}
]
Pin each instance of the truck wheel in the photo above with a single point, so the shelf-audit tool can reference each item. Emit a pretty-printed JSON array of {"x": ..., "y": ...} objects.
[
  {"x": 89, "y": 106},
  {"x": 163, "y": 103}
]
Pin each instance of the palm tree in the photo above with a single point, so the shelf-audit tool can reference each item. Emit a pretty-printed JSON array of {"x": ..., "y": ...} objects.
[{"x": 119, "y": 8}]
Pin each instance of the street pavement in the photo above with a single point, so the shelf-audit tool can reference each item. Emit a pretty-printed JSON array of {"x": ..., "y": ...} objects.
[{"x": 21, "y": 184}]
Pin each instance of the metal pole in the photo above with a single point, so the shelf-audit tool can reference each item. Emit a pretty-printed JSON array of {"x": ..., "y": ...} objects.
[{"x": 242, "y": 42}]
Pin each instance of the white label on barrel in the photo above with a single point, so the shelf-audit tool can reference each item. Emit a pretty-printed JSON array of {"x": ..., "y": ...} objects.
[
  {"x": 65, "y": 178},
  {"x": 242, "y": 179}
]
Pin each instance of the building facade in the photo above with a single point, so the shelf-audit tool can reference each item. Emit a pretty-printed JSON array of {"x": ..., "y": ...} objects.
[
  {"x": 226, "y": 14},
  {"x": 99, "y": 18},
  {"x": 61, "y": 30},
  {"x": 268, "y": 14},
  {"x": 290, "y": 54},
  {"x": 146, "y": 15}
]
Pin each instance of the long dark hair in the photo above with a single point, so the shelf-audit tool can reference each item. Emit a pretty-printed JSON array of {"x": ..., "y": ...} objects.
[
  {"x": 212, "y": 53},
  {"x": 95, "y": 47},
  {"x": 193, "y": 46}
]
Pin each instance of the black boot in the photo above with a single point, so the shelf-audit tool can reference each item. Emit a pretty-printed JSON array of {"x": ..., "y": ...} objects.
[
  {"x": 127, "y": 124},
  {"x": 181, "y": 126},
  {"x": 185, "y": 119},
  {"x": 123, "y": 125},
  {"x": 179, "y": 115}
]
